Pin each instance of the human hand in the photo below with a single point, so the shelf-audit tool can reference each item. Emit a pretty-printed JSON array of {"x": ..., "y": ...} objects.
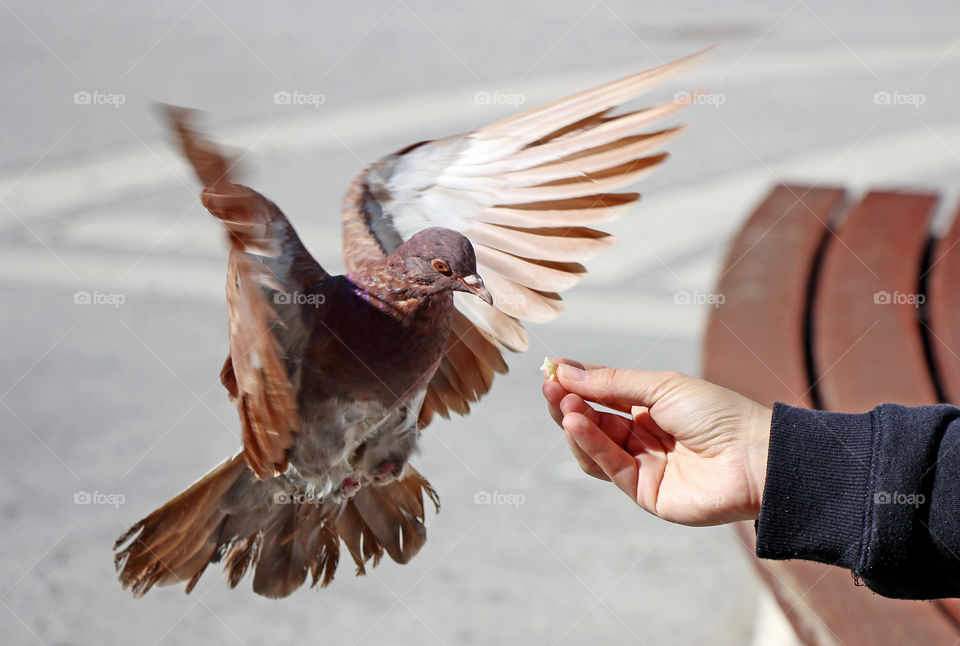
[{"x": 686, "y": 450}]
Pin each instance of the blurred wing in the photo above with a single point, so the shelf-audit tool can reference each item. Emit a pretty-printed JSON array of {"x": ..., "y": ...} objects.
[
  {"x": 268, "y": 327},
  {"x": 527, "y": 192}
]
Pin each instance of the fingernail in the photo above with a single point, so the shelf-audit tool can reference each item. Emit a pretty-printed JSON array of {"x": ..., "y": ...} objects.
[{"x": 570, "y": 373}]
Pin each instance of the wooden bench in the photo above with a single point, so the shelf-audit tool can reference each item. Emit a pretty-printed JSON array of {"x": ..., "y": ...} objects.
[{"x": 841, "y": 306}]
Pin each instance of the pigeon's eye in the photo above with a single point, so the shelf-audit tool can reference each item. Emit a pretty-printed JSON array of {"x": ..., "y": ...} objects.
[{"x": 442, "y": 267}]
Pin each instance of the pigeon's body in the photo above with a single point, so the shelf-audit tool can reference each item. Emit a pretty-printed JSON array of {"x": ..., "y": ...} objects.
[
  {"x": 334, "y": 377},
  {"x": 364, "y": 376}
]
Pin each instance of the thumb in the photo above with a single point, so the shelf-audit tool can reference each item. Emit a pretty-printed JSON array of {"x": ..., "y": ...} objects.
[{"x": 618, "y": 389}]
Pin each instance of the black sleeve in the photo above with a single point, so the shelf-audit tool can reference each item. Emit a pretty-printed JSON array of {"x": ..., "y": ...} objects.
[{"x": 877, "y": 493}]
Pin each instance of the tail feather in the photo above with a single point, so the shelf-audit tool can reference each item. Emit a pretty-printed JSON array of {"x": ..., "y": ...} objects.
[
  {"x": 282, "y": 563},
  {"x": 360, "y": 541},
  {"x": 241, "y": 555},
  {"x": 400, "y": 536},
  {"x": 167, "y": 546},
  {"x": 325, "y": 546},
  {"x": 229, "y": 515}
]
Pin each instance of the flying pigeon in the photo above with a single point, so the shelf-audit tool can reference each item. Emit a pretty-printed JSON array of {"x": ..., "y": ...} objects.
[{"x": 448, "y": 245}]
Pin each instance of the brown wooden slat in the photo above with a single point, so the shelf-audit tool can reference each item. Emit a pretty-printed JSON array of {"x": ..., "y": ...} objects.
[
  {"x": 951, "y": 607},
  {"x": 943, "y": 292},
  {"x": 825, "y": 608},
  {"x": 867, "y": 351},
  {"x": 755, "y": 338},
  {"x": 943, "y": 307},
  {"x": 944, "y": 333},
  {"x": 821, "y": 602},
  {"x": 909, "y": 214}
]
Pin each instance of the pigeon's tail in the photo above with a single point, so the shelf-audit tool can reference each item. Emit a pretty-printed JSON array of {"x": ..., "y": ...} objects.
[
  {"x": 270, "y": 528},
  {"x": 177, "y": 541}
]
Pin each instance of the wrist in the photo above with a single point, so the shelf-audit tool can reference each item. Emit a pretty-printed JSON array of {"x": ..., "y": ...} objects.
[{"x": 758, "y": 448}]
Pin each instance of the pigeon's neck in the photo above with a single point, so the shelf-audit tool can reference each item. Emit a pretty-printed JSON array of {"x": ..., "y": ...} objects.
[{"x": 386, "y": 289}]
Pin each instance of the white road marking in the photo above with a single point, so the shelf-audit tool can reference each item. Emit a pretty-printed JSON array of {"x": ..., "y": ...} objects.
[
  {"x": 671, "y": 223},
  {"x": 112, "y": 175},
  {"x": 667, "y": 226}
]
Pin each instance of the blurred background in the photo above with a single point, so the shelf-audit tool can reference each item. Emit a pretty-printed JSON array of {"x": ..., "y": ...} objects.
[{"x": 115, "y": 325}]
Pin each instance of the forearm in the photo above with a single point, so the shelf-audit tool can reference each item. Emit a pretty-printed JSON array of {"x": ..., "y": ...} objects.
[{"x": 877, "y": 493}]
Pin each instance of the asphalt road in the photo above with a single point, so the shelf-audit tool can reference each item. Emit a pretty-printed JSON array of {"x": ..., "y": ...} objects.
[{"x": 121, "y": 400}]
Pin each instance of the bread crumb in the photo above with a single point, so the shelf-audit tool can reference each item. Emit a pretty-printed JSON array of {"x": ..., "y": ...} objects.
[{"x": 549, "y": 369}]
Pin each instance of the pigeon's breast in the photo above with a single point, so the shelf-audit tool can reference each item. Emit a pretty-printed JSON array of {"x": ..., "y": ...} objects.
[
  {"x": 334, "y": 430},
  {"x": 367, "y": 353},
  {"x": 363, "y": 381}
]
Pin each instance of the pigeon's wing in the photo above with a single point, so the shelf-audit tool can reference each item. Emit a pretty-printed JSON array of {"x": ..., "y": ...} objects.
[
  {"x": 270, "y": 278},
  {"x": 527, "y": 191}
]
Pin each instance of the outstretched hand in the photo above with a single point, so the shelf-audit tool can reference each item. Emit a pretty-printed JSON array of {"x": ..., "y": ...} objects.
[{"x": 685, "y": 449}]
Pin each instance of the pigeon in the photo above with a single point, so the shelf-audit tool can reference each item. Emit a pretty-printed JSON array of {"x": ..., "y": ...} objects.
[{"x": 448, "y": 244}]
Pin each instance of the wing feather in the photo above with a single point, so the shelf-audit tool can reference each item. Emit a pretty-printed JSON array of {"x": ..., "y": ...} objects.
[
  {"x": 267, "y": 334},
  {"x": 542, "y": 275},
  {"x": 527, "y": 191}
]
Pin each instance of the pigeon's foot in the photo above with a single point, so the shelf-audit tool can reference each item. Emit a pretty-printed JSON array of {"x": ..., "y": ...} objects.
[
  {"x": 386, "y": 471},
  {"x": 349, "y": 487}
]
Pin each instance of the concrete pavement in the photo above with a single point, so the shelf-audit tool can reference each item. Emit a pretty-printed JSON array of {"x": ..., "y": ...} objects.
[{"x": 120, "y": 400}]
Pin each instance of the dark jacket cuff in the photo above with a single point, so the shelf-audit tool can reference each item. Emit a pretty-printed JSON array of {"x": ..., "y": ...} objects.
[
  {"x": 817, "y": 487},
  {"x": 876, "y": 493}
]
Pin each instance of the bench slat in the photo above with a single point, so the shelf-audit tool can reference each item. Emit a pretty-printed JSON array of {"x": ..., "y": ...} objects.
[
  {"x": 943, "y": 306},
  {"x": 867, "y": 343},
  {"x": 825, "y": 608},
  {"x": 944, "y": 311},
  {"x": 755, "y": 338},
  {"x": 821, "y": 602}
]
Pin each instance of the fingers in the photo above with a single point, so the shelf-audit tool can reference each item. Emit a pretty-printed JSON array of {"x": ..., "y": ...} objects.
[
  {"x": 618, "y": 389},
  {"x": 577, "y": 364},
  {"x": 574, "y": 404},
  {"x": 617, "y": 428},
  {"x": 553, "y": 392},
  {"x": 559, "y": 402},
  {"x": 597, "y": 440},
  {"x": 584, "y": 461},
  {"x": 617, "y": 465}
]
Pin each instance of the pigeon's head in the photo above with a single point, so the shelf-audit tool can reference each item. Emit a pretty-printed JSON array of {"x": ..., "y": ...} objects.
[{"x": 443, "y": 260}]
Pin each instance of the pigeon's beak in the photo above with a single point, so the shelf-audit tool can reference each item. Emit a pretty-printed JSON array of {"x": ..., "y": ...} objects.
[{"x": 473, "y": 284}]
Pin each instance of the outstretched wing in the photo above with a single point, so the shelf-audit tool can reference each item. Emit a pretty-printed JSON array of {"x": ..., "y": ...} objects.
[
  {"x": 269, "y": 275},
  {"x": 527, "y": 191}
]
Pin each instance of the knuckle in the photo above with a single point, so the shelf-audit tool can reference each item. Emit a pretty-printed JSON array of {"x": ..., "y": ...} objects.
[
  {"x": 673, "y": 376},
  {"x": 606, "y": 376},
  {"x": 671, "y": 381}
]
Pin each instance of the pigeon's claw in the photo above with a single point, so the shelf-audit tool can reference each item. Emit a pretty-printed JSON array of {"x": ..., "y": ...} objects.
[
  {"x": 349, "y": 487},
  {"x": 386, "y": 471}
]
